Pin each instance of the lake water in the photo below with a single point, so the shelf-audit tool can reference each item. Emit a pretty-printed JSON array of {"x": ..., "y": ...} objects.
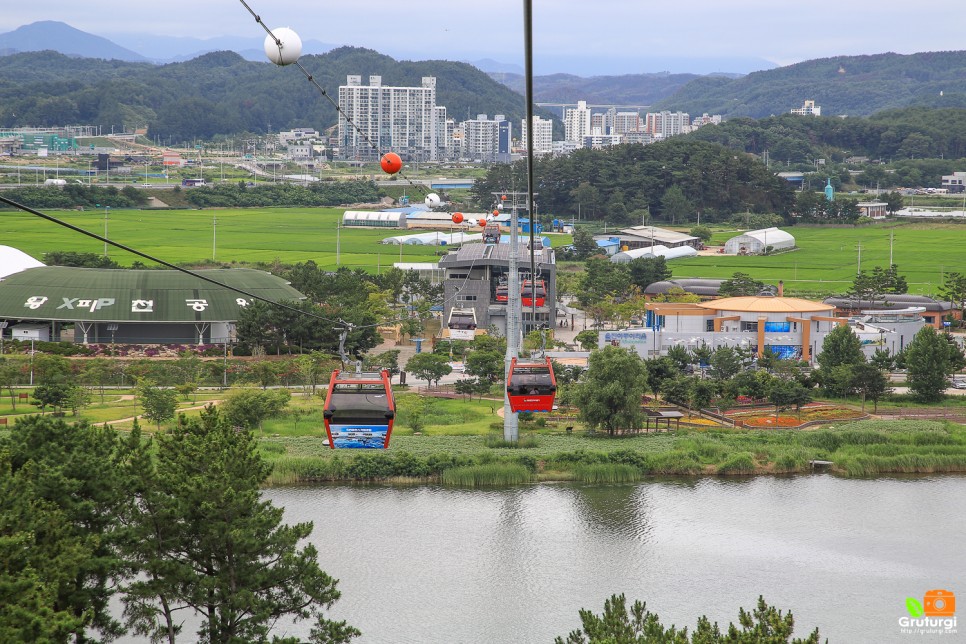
[{"x": 432, "y": 564}]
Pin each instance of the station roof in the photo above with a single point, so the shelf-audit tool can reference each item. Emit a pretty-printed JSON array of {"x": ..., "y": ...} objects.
[
  {"x": 760, "y": 304},
  {"x": 470, "y": 255},
  {"x": 113, "y": 295}
]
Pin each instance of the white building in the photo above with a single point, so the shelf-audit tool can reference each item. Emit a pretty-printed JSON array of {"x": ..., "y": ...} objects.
[
  {"x": 542, "y": 135},
  {"x": 808, "y": 109},
  {"x": 955, "y": 182},
  {"x": 755, "y": 242},
  {"x": 597, "y": 140},
  {"x": 625, "y": 122},
  {"x": 486, "y": 140},
  {"x": 401, "y": 119},
  {"x": 577, "y": 122},
  {"x": 787, "y": 326},
  {"x": 665, "y": 124}
]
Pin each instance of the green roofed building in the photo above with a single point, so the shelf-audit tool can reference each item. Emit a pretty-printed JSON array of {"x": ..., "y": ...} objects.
[{"x": 136, "y": 306}]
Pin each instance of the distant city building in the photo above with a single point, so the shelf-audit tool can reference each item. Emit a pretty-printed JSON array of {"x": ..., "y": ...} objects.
[
  {"x": 666, "y": 124},
  {"x": 642, "y": 138},
  {"x": 542, "y": 135},
  {"x": 564, "y": 147},
  {"x": 577, "y": 122},
  {"x": 486, "y": 140},
  {"x": 401, "y": 119},
  {"x": 597, "y": 140},
  {"x": 808, "y": 109},
  {"x": 624, "y": 122}
]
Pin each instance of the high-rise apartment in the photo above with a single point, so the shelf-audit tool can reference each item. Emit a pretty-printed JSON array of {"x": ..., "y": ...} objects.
[
  {"x": 398, "y": 119},
  {"x": 542, "y": 135}
]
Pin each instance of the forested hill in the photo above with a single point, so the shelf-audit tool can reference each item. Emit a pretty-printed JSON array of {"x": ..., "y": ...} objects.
[
  {"x": 628, "y": 89},
  {"x": 843, "y": 85},
  {"x": 221, "y": 93}
]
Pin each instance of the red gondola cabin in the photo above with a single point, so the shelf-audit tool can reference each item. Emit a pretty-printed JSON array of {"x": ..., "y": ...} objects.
[
  {"x": 359, "y": 410},
  {"x": 530, "y": 292},
  {"x": 531, "y": 385}
]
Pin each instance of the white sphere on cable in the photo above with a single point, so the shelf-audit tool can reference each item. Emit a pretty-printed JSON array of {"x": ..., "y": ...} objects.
[
  {"x": 433, "y": 200},
  {"x": 286, "y": 53},
  {"x": 472, "y": 222}
]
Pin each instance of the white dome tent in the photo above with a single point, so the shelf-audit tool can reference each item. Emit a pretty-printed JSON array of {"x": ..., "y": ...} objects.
[
  {"x": 14, "y": 260},
  {"x": 754, "y": 242},
  {"x": 653, "y": 251}
]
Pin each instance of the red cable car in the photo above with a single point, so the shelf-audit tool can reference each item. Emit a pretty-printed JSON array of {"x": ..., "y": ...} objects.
[
  {"x": 359, "y": 410},
  {"x": 529, "y": 292},
  {"x": 491, "y": 233},
  {"x": 502, "y": 293},
  {"x": 531, "y": 385}
]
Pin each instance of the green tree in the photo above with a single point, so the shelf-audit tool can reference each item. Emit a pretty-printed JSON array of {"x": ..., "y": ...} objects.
[
  {"x": 893, "y": 202},
  {"x": 602, "y": 279},
  {"x": 56, "y": 395},
  {"x": 70, "y": 475},
  {"x": 644, "y": 271},
  {"x": 247, "y": 408},
  {"x": 954, "y": 289},
  {"x": 788, "y": 393},
  {"x": 618, "y": 625},
  {"x": 702, "y": 232},
  {"x": 486, "y": 365},
  {"x": 584, "y": 244},
  {"x": 871, "y": 382},
  {"x": 740, "y": 284},
  {"x": 587, "y": 198},
  {"x": 675, "y": 206},
  {"x": 428, "y": 367},
  {"x": 388, "y": 360},
  {"x": 841, "y": 346},
  {"x": 587, "y": 339},
  {"x": 610, "y": 396},
  {"x": 313, "y": 367},
  {"x": 930, "y": 360},
  {"x": 159, "y": 403},
  {"x": 412, "y": 411},
  {"x": 10, "y": 377},
  {"x": 97, "y": 373},
  {"x": 725, "y": 363},
  {"x": 208, "y": 543}
]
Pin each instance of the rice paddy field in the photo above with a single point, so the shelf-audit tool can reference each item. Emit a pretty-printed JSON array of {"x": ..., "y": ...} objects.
[
  {"x": 827, "y": 258},
  {"x": 243, "y": 236}
]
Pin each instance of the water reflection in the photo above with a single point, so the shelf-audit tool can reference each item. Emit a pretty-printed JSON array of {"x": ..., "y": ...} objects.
[{"x": 431, "y": 564}]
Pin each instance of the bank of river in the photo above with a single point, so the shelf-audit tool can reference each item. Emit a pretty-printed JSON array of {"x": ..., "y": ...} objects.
[
  {"x": 432, "y": 564},
  {"x": 865, "y": 448}
]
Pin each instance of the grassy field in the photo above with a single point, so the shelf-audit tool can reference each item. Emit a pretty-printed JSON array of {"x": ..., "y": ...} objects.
[
  {"x": 827, "y": 258},
  {"x": 251, "y": 235}
]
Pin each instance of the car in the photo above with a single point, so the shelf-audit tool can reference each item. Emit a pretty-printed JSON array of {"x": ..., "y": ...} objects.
[{"x": 958, "y": 384}]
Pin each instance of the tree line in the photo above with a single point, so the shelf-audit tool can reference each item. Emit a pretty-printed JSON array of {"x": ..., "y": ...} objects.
[{"x": 676, "y": 180}]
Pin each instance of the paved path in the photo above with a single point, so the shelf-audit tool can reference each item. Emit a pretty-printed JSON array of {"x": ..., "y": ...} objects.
[{"x": 130, "y": 419}]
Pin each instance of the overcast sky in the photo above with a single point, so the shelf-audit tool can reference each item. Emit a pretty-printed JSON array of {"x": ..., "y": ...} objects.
[{"x": 619, "y": 36}]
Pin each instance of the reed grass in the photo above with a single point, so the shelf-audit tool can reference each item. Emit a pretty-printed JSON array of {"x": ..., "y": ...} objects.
[
  {"x": 606, "y": 473},
  {"x": 487, "y": 475},
  {"x": 738, "y": 464},
  {"x": 865, "y": 465}
]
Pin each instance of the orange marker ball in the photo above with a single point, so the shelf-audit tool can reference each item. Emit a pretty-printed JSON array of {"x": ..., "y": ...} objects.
[
  {"x": 391, "y": 163},
  {"x": 457, "y": 217}
]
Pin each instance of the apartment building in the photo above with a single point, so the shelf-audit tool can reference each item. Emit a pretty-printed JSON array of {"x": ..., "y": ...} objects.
[
  {"x": 542, "y": 135},
  {"x": 401, "y": 119}
]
